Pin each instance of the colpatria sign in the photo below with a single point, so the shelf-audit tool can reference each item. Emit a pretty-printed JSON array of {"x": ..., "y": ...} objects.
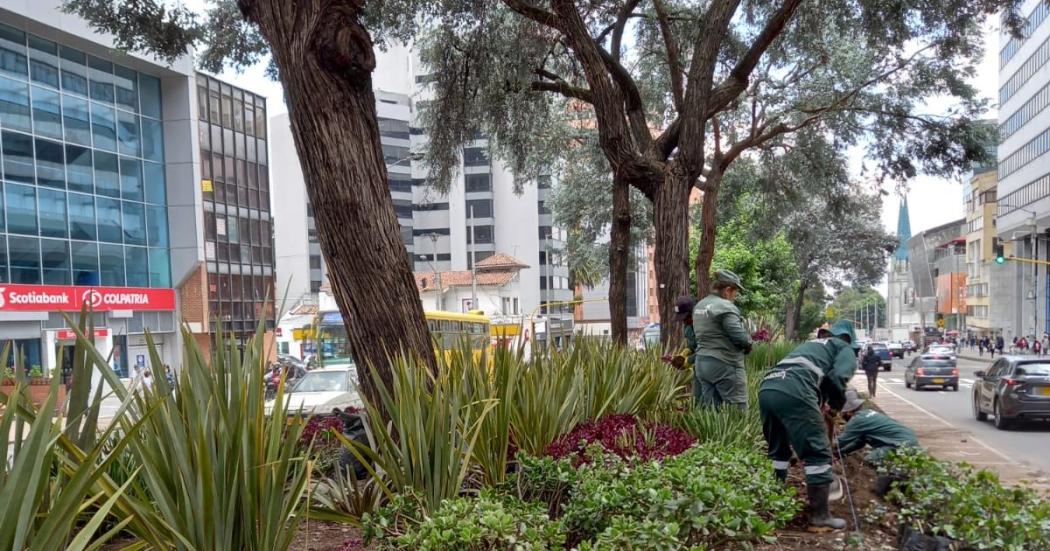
[{"x": 65, "y": 298}]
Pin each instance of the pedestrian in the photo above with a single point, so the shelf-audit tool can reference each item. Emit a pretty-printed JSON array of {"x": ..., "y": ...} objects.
[
  {"x": 790, "y": 398},
  {"x": 870, "y": 365},
  {"x": 867, "y": 427},
  {"x": 999, "y": 343},
  {"x": 169, "y": 375},
  {"x": 1037, "y": 347},
  {"x": 722, "y": 342},
  {"x": 147, "y": 379},
  {"x": 683, "y": 313}
]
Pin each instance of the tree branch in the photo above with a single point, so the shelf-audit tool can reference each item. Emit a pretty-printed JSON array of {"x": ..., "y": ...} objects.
[
  {"x": 537, "y": 14},
  {"x": 674, "y": 61},
  {"x": 563, "y": 88},
  {"x": 618, "y": 27}
]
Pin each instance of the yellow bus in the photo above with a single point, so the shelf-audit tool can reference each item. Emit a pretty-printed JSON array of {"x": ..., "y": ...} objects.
[{"x": 448, "y": 330}]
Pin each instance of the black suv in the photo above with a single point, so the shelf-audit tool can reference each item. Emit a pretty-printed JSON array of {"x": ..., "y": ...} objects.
[{"x": 1014, "y": 388}]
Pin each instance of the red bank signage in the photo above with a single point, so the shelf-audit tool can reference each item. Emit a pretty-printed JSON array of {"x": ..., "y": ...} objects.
[
  {"x": 69, "y": 335},
  {"x": 68, "y": 298}
]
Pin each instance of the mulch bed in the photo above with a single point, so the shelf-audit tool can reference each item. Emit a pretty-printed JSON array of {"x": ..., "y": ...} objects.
[{"x": 326, "y": 536}]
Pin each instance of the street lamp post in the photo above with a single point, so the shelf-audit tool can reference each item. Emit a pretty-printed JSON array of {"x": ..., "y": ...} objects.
[{"x": 437, "y": 274}]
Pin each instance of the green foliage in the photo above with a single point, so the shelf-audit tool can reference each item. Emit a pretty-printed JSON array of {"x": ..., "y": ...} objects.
[
  {"x": 488, "y": 521},
  {"x": 969, "y": 506},
  {"x": 708, "y": 493},
  {"x": 853, "y": 302}
]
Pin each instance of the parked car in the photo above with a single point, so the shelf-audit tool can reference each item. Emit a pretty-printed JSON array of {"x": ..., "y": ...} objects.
[
  {"x": 896, "y": 349},
  {"x": 885, "y": 360},
  {"x": 932, "y": 370},
  {"x": 909, "y": 346},
  {"x": 322, "y": 390},
  {"x": 1014, "y": 388}
]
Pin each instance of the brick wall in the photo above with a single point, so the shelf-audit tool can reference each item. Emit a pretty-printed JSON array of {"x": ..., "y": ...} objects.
[{"x": 193, "y": 297}]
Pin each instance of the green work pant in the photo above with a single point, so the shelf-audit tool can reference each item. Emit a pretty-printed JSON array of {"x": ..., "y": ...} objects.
[
  {"x": 790, "y": 422},
  {"x": 716, "y": 383}
]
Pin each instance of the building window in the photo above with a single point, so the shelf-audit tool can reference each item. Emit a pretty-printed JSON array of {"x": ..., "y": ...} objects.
[
  {"x": 475, "y": 156},
  {"x": 478, "y": 183},
  {"x": 393, "y": 128},
  {"x": 480, "y": 235},
  {"x": 479, "y": 208}
]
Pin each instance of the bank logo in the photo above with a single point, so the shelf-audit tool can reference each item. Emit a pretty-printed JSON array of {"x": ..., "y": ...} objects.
[
  {"x": 3, "y": 297},
  {"x": 91, "y": 297}
]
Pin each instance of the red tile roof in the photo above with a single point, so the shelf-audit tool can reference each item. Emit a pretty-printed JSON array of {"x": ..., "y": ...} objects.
[
  {"x": 500, "y": 261},
  {"x": 496, "y": 271}
]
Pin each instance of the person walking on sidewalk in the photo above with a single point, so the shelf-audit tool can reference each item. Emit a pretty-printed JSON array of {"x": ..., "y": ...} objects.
[
  {"x": 722, "y": 342},
  {"x": 867, "y": 427},
  {"x": 790, "y": 399},
  {"x": 999, "y": 343},
  {"x": 871, "y": 365}
]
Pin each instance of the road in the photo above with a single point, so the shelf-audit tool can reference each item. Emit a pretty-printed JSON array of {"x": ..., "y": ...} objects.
[{"x": 1027, "y": 444}]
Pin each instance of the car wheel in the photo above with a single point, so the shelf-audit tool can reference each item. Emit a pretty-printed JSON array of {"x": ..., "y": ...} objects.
[
  {"x": 977, "y": 413},
  {"x": 907, "y": 384},
  {"x": 997, "y": 417},
  {"x": 887, "y": 368}
]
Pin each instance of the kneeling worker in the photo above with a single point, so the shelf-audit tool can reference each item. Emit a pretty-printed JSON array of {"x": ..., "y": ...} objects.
[
  {"x": 867, "y": 427},
  {"x": 790, "y": 399}
]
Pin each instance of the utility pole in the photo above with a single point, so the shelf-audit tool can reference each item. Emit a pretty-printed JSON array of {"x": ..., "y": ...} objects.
[{"x": 1035, "y": 279}]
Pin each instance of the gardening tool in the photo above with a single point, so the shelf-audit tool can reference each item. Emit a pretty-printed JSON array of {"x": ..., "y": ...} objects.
[{"x": 845, "y": 484}]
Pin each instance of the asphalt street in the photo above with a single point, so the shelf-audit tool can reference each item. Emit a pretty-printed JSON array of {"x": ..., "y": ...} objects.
[{"x": 1027, "y": 444}]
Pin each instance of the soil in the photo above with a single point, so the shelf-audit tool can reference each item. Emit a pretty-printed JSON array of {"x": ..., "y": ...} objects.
[
  {"x": 877, "y": 519},
  {"x": 326, "y": 536}
]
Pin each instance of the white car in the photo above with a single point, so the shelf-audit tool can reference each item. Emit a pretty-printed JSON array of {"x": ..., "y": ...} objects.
[{"x": 322, "y": 390}]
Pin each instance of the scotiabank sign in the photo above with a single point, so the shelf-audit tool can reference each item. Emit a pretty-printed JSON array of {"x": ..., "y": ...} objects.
[{"x": 68, "y": 298}]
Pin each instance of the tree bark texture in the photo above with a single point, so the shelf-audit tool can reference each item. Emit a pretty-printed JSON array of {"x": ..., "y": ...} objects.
[
  {"x": 325, "y": 58},
  {"x": 708, "y": 233},
  {"x": 619, "y": 258},
  {"x": 671, "y": 255},
  {"x": 794, "y": 312}
]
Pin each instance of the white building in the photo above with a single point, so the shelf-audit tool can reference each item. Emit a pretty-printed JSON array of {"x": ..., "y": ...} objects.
[
  {"x": 496, "y": 285},
  {"x": 1024, "y": 171}
]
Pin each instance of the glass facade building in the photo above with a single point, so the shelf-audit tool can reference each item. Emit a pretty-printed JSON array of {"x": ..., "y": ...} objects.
[
  {"x": 82, "y": 162},
  {"x": 238, "y": 237}
]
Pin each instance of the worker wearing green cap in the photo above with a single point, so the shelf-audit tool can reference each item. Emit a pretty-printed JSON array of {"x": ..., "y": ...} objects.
[
  {"x": 722, "y": 342},
  {"x": 790, "y": 399}
]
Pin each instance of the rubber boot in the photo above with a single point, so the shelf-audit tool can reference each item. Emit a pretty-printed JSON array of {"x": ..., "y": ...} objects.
[
  {"x": 820, "y": 520},
  {"x": 781, "y": 474}
]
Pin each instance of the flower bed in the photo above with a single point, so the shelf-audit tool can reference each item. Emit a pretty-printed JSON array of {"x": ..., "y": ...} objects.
[{"x": 624, "y": 436}]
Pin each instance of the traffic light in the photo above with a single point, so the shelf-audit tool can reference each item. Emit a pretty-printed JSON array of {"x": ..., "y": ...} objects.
[{"x": 1000, "y": 255}]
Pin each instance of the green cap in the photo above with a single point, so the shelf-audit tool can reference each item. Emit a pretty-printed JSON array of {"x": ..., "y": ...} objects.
[
  {"x": 726, "y": 276},
  {"x": 844, "y": 328}
]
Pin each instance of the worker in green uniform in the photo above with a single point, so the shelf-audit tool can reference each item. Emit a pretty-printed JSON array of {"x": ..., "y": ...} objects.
[
  {"x": 790, "y": 399},
  {"x": 723, "y": 342},
  {"x": 683, "y": 313},
  {"x": 867, "y": 427}
]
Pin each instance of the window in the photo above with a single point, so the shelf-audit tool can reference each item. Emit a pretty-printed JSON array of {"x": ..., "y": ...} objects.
[
  {"x": 393, "y": 128},
  {"x": 478, "y": 182},
  {"x": 74, "y": 70},
  {"x": 131, "y": 179},
  {"x": 53, "y": 222},
  {"x": 395, "y": 154},
  {"x": 75, "y": 115},
  {"x": 50, "y": 164},
  {"x": 21, "y": 209},
  {"x": 81, "y": 216},
  {"x": 18, "y": 157},
  {"x": 14, "y": 104},
  {"x": 426, "y": 232},
  {"x": 475, "y": 156},
  {"x": 12, "y": 51},
  {"x": 134, "y": 223},
  {"x": 85, "y": 263},
  {"x": 159, "y": 268},
  {"x": 1032, "y": 21},
  {"x": 43, "y": 61},
  {"x": 128, "y": 133},
  {"x": 104, "y": 127},
  {"x": 479, "y": 208},
  {"x": 107, "y": 212},
  {"x": 398, "y": 185},
  {"x": 111, "y": 265},
  {"x": 135, "y": 260},
  {"x": 126, "y": 82},
  {"x": 54, "y": 255},
  {"x": 543, "y": 182},
  {"x": 24, "y": 258},
  {"x": 107, "y": 181},
  {"x": 423, "y": 207},
  {"x": 100, "y": 79},
  {"x": 149, "y": 96},
  {"x": 481, "y": 234},
  {"x": 542, "y": 207},
  {"x": 545, "y": 232},
  {"x": 47, "y": 113},
  {"x": 156, "y": 227}
]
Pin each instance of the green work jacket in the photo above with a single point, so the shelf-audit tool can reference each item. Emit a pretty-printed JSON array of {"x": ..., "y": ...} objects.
[
  {"x": 797, "y": 373},
  {"x": 720, "y": 332},
  {"x": 871, "y": 428}
]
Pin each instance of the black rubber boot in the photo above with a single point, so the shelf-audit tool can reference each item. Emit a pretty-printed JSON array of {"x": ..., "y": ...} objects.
[
  {"x": 781, "y": 474},
  {"x": 820, "y": 520}
]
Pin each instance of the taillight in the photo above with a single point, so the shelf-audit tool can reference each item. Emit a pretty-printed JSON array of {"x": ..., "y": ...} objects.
[
  {"x": 1011, "y": 382},
  {"x": 919, "y": 371}
]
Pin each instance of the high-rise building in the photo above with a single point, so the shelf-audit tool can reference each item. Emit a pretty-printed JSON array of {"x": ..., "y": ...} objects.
[
  {"x": 1024, "y": 172},
  {"x": 104, "y": 200}
]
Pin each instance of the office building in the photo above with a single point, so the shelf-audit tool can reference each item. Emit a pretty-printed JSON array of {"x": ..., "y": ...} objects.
[
  {"x": 1023, "y": 189},
  {"x": 937, "y": 264},
  {"x": 103, "y": 195}
]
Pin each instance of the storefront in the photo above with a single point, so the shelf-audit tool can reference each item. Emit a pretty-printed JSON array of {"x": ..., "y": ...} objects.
[{"x": 37, "y": 319}]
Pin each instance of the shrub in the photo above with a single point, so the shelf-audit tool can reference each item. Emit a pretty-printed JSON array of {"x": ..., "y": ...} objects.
[
  {"x": 728, "y": 426},
  {"x": 321, "y": 442},
  {"x": 709, "y": 493},
  {"x": 488, "y": 521},
  {"x": 972, "y": 507},
  {"x": 624, "y": 436},
  {"x": 545, "y": 480}
]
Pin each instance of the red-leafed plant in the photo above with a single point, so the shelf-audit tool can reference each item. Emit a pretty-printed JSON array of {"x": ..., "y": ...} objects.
[{"x": 623, "y": 435}]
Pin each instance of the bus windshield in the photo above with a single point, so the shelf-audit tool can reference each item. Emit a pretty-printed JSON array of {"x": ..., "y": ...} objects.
[{"x": 333, "y": 346}]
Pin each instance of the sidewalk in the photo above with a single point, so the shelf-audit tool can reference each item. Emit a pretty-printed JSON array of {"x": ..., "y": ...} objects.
[{"x": 948, "y": 442}]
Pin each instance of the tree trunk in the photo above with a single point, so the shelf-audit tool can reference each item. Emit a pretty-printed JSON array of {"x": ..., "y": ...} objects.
[
  {"x": 794, "y": 313},
  {"x": 708, "y": 233},
  {"x": 671, "y": 258},
  {"x": 619, "y": 258},
  {"x": 325, "y": 59}
]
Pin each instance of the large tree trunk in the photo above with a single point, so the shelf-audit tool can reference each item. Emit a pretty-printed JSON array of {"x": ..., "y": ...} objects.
[
  {"x": 671, "y": 258},
  {"x": 325, "y": 59},
  {"x": 708, "y": 233},
  {"x": 794, "y": 312},
  {"x": 619, "y": 258}
]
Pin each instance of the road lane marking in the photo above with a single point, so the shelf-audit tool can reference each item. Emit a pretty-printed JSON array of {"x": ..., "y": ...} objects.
[{"x": 971, "y": 436}]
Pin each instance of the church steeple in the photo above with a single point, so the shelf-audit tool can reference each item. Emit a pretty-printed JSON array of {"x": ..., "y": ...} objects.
[{"x": 903, "y": 231}]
